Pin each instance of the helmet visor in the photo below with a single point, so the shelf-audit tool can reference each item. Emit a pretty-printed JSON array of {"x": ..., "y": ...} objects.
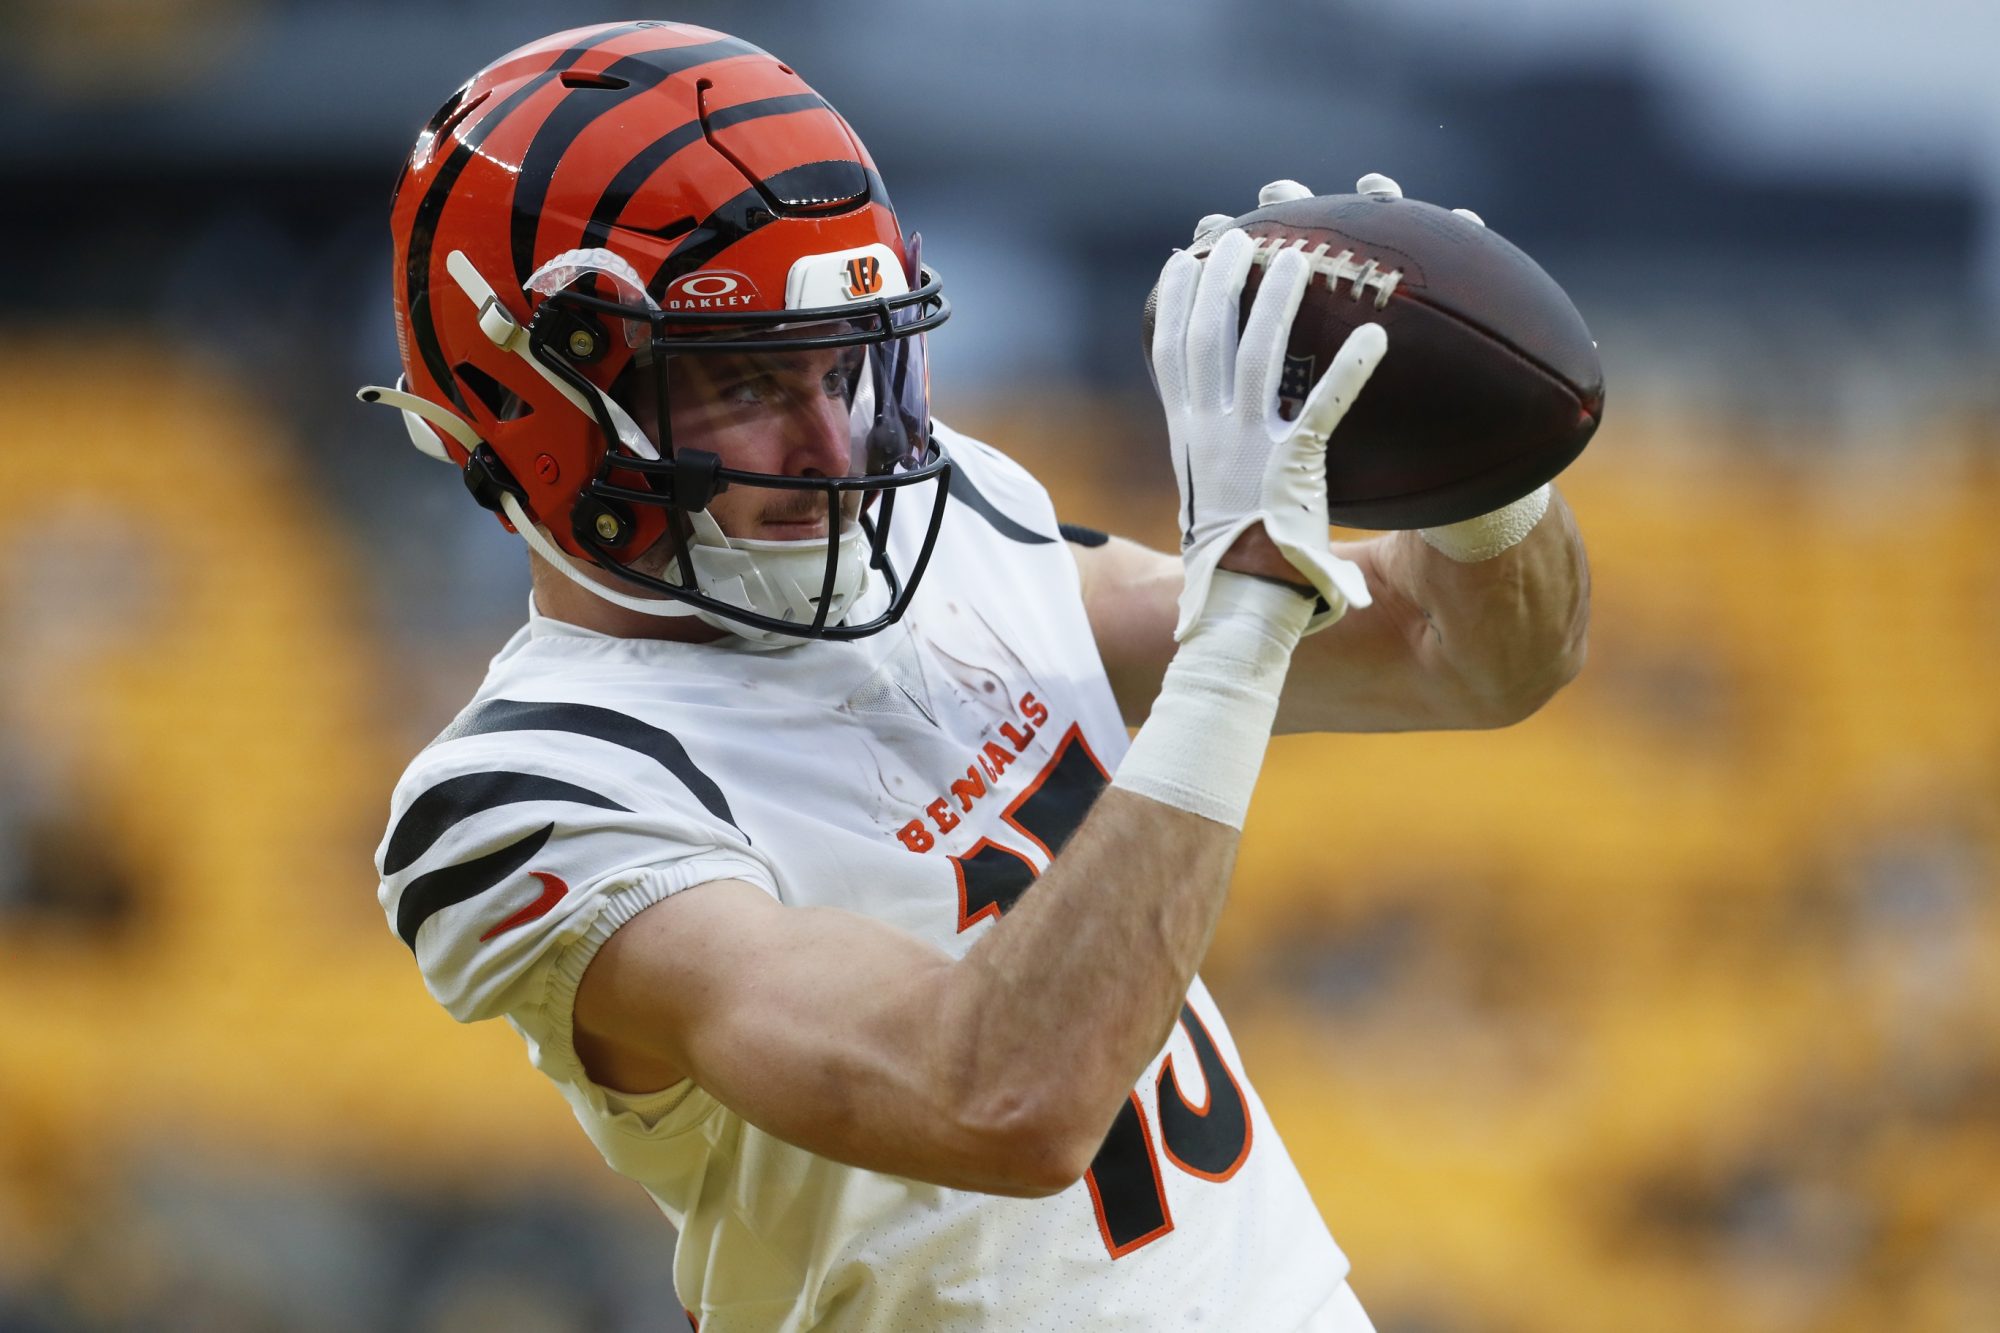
[
  {"x": 820, "y": 399},
  {"x": 755, "y": 433}
]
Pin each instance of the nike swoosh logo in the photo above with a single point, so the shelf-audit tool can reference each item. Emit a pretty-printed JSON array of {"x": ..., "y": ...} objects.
[{"x": 553, "y": 890}]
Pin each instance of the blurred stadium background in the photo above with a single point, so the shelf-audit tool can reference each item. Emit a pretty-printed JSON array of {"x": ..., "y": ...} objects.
[{"x": 1676, "y": 1007}]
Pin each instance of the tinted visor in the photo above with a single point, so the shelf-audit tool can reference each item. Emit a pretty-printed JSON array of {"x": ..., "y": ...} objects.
[
  {"x": 705, "y": 373},
  {"x": 822, "y": 398},
  {"x": 823, "y": 413}
]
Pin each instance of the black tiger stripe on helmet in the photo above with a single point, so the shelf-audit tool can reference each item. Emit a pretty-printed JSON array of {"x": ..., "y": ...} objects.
[
  {"x": 620, "y": 165},
  {"x": 466, "y": 144}
]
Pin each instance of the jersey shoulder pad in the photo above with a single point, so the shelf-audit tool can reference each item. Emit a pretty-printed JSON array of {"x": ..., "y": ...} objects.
[
  {"x": 510, "y": 834},
  {"x": 999, "y": 490}
]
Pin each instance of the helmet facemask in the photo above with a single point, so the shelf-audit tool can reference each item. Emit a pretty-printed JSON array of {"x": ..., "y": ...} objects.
[
  {"x": 821, "y": 413},
  {"x": 643, "y": 192}
]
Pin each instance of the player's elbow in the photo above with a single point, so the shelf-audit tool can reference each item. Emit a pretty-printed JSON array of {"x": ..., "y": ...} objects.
[
  {"x": 1032, "y": 1148},
  {"x": 1496, "y": 679},
  {"x": 1525, "y": 693},
  {"x": 1037, "y": 1168}
]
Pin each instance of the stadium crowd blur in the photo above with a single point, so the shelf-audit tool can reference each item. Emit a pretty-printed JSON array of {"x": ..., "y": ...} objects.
[{"x": 1673, "y": 1008}]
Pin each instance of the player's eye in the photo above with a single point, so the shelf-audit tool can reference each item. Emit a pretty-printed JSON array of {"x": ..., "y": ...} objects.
[{"x": 752, "y": 392}]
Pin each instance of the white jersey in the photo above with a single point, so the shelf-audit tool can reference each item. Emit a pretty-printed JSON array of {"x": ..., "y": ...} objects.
[{"x": 922, "y": 776}]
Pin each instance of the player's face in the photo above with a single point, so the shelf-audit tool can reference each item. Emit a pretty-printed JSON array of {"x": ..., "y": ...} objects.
[{"x": 785, "y": 413}]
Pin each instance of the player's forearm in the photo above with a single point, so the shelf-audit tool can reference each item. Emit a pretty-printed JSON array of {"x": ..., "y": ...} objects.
[
  {"x": 1076, "y": 989},
  {"x": 1066, "y": 1000},
  {"x": 1489, "y": 641}
]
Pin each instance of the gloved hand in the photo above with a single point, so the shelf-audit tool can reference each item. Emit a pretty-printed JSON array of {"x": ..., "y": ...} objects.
[
  {"x": 1474, "y": 539},
  {"x": 1236, "y": 460},
  {"x": 1284, "y": 191}
]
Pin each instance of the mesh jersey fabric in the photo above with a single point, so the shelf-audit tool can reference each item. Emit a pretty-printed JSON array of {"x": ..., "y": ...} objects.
[{"x": 918, "y": 776}]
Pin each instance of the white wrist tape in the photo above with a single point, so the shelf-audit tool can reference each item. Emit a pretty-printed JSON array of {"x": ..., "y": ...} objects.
[
  {"x": 1203, "y": 743},
  {"x": 1488, "y": 535}
]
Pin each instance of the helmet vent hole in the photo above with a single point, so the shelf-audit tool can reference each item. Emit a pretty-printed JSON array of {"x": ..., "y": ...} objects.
[
  {"x": 446, "y": 119},
  {"x": 671, "y": 231},
  {"x": 581, "y": 79},
  {"x": 498, "y": 399}
]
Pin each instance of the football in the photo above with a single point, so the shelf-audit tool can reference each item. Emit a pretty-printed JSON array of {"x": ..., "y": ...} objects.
[{"x": 1491, "y": 385}]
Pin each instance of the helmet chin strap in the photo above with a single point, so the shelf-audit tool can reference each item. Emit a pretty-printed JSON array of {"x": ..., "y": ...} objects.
[
  {"x": 500, "y": 329},
  {"x": 538, "y": 539},
  {"x": 423, "y": 419},
  {"x": 777, "y": 579}
]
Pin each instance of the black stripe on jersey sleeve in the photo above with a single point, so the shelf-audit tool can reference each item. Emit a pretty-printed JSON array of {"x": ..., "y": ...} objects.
[
  {"x": 599, "y": 724},
  {"x": 963, "y": 491},
  {"x": 457, "y": 799},
  {"x": 427, "y": 895},
  {"x": 1078, "y": 535}
]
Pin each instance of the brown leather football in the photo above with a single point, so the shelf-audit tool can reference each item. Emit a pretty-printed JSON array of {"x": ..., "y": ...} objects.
[{"x": 1491, "y": 385}]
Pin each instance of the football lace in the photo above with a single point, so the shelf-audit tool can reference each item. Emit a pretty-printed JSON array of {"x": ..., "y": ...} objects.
[{"x": 1335, "y": 269}]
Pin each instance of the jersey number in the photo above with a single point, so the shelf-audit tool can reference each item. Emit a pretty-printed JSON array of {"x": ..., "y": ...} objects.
[{"x": 1210, "y": 1140}]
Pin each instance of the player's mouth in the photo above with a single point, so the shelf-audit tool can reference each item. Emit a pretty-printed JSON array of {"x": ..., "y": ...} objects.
[
  {"x": 792, "y": 532},
  {"x": 792, "y": 525}
]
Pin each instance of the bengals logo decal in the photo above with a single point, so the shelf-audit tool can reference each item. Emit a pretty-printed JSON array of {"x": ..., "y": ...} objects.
[{"x": 864, "y": 277}]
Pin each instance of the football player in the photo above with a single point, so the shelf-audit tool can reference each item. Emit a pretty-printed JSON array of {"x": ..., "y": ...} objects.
[{"x": 797, "y": 832}]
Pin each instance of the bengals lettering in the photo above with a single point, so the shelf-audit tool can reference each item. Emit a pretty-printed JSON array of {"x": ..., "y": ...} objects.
[{"x": 982, "y": 776}]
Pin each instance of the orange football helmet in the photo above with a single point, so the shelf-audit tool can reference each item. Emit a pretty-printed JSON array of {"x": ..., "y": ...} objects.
[{"x": 618, "y": 246}]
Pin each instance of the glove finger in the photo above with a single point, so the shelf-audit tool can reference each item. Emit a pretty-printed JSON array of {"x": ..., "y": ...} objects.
[
  {"x": 1339, "y": 580},
  {"x": 1211, "y": 330},
  {"x": 1343, "y": 381},
  {"x": 1170, "y": 321},
  {"x": 1210, "y": 227},
  {"x": 1295, "y": 517},
  {"x": 1260, "y": 360},
  {"x": 1376, "y": 183},
  {"x": 1282, "y": 192},
  {"x": 1469, "y": 215}
]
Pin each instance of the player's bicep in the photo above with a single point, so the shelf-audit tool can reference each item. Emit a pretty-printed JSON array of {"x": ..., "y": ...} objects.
[
  {"x": 814, "y": 1024},
  {"x": 1371, "y": 670}
]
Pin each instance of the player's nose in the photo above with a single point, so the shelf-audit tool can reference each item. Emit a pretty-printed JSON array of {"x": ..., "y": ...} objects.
[{"x": 818, "y": 442}]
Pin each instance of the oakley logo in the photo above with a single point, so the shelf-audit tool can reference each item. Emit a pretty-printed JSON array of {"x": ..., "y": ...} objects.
[
  {"x": 714, "y": 289},
  {"x": 864, "y": 276}
]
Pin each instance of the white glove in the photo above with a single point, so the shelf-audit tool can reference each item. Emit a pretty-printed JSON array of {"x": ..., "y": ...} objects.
[
  {"x": 1283, "y": 192},
  {"x": 1475, "y": 539},
  {"x": 1376, "y": 183},
  {"x": 1236, "y": 460},
  {"x": 1277, "y": 192}
]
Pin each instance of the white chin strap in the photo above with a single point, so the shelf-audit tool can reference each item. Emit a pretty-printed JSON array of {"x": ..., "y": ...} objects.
[
  {"x": 779, "y": 580},
  {"x": 776, "y": 579}
]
